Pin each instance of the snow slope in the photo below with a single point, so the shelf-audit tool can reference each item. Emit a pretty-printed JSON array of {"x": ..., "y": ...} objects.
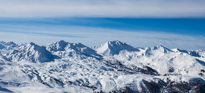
[{"x": 115, "y": 66}]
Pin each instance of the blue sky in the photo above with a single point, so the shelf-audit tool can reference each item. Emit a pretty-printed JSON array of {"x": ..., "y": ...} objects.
[{"x": 140, "y": 23}]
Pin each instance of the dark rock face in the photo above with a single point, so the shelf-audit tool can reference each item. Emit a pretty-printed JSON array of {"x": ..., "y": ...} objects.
[
  {"x": 202, "y": 70},
  {"x": 173, "y": 87},
  {"x": 115, "y": 64},
  {"x": 171, "y": 69},
  {"x": 153, "y": 87},
  {"x": 161, "y": 86},
  {"x": 200, "y": 88}
]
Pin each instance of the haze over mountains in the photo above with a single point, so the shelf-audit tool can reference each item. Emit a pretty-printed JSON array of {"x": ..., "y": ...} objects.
[{"x": 110, "y": 67}]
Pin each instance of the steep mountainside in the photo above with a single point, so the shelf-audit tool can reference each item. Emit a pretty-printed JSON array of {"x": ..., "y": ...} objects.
[{"x": 115, "y": 66}]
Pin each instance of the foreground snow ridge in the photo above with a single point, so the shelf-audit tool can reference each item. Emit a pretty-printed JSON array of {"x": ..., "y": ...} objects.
[{"x": 64, "y": 67}]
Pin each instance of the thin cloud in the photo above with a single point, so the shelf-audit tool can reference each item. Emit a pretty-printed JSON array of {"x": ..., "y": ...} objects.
[
  {"x": 102, "y": 8},
  {"x": 95, "y": 36}
]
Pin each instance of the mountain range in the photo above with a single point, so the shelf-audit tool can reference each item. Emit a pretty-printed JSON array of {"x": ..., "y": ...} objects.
[{"x": 115, "y": 66}]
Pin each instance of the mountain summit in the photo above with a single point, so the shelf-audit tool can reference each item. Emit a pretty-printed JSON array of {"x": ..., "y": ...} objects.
[
  {"x": 113, "y": 47},
  {"x": 65, "y": 49},
  {"x": 6, "y": 46},
  {"x": 31, "y": 52},
  {"x": 57, "y": 46}
]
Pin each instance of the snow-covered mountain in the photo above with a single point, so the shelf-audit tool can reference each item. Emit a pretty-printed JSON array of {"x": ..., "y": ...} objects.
[
  {"x": 31, "y": 52},
  {"x": 196, "y": 53},
  {"x": 111, "y": 67},
  {"x": 163, "y": 59},
  {"x": 6, "y": 46},
  {"x": 77, "y": 50},
  {"x": 113, "y": 47}
]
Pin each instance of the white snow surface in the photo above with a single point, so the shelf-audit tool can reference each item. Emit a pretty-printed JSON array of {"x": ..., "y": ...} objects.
[{"x": 63, "y": 67}]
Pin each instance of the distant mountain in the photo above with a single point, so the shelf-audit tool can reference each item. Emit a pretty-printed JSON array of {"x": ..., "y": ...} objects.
[
  {"x": 6, "y": 46},
  {"x": 31, "y": 52},
  {"x": 113, "y": 47},
  {"x": 157, "y": 49},
  {"x": 196, "y": 53},
  {"x": 65, "y": 49}
]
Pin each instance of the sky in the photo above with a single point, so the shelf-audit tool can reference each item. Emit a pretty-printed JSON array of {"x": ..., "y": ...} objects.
[{"x": 140, "y": 23}]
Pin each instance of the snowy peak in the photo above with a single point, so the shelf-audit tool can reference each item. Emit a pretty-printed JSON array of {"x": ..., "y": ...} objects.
[
  {"x": 116, "y": 43},
  {"x": 65, "y": 46},
  {"x": 7, "y": 45},
  {"x": 157, "y": 50},
  {"x": 31, "y": 52},
  {"x": 180, "y": 50},
  {"x": 113, "y": 47},
  {"x": 194, "y": 53},
  {"x": 65, "y": 49},
  {"x": 197, "y": 53},
  {"x": 31, "y": 43},
  {"x": 162, "y": 49},
  {"x": 79, "y": 47},
  {"x": 11, "y": 43},
  {"x": 57, "y": 46}
]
